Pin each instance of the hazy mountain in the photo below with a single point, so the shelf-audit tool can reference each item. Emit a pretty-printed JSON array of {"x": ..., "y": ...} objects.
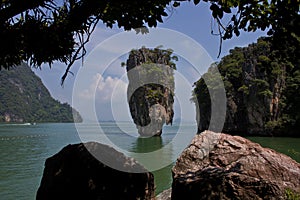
[{"x": 24, "y": 98}]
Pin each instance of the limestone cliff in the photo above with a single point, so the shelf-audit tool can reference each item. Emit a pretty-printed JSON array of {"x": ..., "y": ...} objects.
[
  {"x": 151, "y": 89},
  {"x": 261, "y": 92}
]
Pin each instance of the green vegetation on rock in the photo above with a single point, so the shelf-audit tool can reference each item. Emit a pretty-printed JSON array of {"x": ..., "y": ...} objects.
[
  {"x": 262, "y": 84},
  {"x": 291, "y": 195},
  {"x": 151, "y": 88},
  {"x": 24, "y": 98}
]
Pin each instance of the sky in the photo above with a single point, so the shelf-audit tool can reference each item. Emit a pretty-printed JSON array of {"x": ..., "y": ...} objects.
[{"x": 98, "y": 88}]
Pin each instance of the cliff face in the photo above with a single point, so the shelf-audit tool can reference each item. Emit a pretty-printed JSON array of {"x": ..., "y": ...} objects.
[
  {"x": 24, "y": 98},
  {"x": 151, "y": 89},
  {"x": 257, "y": 86}
]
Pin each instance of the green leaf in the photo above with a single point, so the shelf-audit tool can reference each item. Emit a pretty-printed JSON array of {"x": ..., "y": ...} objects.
[
  {"x": 220, "y": 13},
  {"x": 215, "y": 10},
  {"x": 226, "y": 9},
  {"x": 164, "y": 14},
  {"x": 196, "y": 2},
  {"x": 176, "y": 4}
]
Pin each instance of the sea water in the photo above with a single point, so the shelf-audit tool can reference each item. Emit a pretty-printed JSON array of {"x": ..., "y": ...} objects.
[{"x": 25, "y": 147}]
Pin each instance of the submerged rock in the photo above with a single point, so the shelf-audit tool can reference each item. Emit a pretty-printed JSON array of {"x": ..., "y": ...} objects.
[
  {"x": 74, "y": 173},
  {"x": 151, "y": 89},
  {"x": 220, "y": 166}
]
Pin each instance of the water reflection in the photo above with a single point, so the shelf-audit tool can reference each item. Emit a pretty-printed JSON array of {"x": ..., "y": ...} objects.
[
  {"x": 156, "y": 153},
  {"x": 145, "y": 145}
]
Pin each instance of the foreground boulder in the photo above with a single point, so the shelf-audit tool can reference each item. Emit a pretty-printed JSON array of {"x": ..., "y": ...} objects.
[
  {"x": 74, "y": 173},
  {"x": 220, "y": 166}
]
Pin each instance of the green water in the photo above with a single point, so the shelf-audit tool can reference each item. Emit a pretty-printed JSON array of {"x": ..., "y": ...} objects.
[
  {"x": 288, "y": 146},
  {"x": 24, "y": 148}
]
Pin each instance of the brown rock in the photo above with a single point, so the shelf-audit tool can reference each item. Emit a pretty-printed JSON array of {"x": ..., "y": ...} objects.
[
  {"x": 150, "y": 90},
  {"x": 220, "y": 166},
  {"x": 74, "y": 173},
  {"x": 164, "y": 195}
]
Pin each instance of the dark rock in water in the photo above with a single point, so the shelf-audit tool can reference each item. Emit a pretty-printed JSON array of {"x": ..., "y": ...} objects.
[
  {"x": 151, "y": 89},
  {"x": 74, "y": 173},
  {"x": 220, "y": 166}
]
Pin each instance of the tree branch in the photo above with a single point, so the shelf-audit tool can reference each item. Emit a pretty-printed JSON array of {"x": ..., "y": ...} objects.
[
  {"x": 16, "y": 7},
  {"x": 81, "y": 48}
]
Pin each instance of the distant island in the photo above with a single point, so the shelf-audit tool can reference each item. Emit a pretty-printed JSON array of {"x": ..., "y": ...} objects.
[{"x": 24, "y": 98}]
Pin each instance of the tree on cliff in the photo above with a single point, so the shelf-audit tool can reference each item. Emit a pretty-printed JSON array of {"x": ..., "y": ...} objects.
[
  {"x": 262, "y": 87},
  {"x": 64, "y": 27}
]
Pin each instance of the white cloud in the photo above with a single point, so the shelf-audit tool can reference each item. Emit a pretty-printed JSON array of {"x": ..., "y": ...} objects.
[
  {"x": 105, "y": 87},
  {"x": 101, "y": 81},
  {"x": 100, "y": 97}
]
